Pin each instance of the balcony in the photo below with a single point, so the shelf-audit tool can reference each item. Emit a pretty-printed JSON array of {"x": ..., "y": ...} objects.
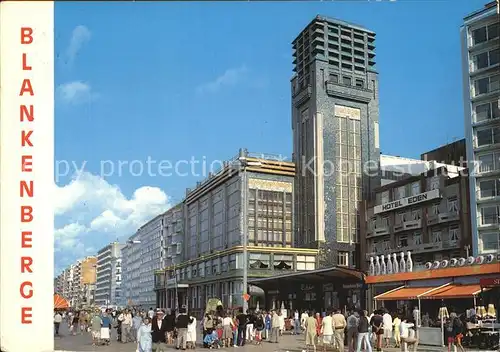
[
  {"x": 434, "y": 219},
  {"x": 380, "y": 229},
  {"x": 408, "y": 225}
]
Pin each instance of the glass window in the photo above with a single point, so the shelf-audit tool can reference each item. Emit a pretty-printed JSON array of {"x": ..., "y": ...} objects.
[
  {"x": 484, "y": 137},
  {"x": 454, "y": 234},
  {"x": 384, "y": 197},
  {"x": 417, "y": 238},
  {"x": 489, "y": 215},
  {"x": 415, "y": 188},
  {"x": 360, "y": 83},
  {"x": 343, "y": 259},
  {"x": 453, "y": 205},
  {"x": 481, "y": 61},
  {"x": 346, "y": 80},
  {"x": 486, "y": 163},
  {"x": 479, "y": 36},
  {"x": 481, "y": 86},
  {"x": 436, "y": 236},
  {"x": 493, "y": 31},
  {"x": 483, "y": 112},
  {"x": 494, "y": 57},
  {"x": 490, "y": 241},
  {"x": 487, "y": 189},
  {"x": 334, "y": 78}
]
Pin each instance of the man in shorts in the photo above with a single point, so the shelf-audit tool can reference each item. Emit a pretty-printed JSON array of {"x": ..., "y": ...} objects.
[
  {"x": 327, "y": 330},
  {"x": 95, "y": 329}
]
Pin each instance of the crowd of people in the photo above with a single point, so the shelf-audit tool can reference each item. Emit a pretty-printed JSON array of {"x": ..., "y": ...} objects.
[{"x": 155, "y": 330}]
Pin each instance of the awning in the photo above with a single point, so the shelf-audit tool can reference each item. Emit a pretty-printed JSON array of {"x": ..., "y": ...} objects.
[
  {"x": 454, "y": 291},
  {"x": 403, "y": 293},
  {"x": 60, "y": 302}
]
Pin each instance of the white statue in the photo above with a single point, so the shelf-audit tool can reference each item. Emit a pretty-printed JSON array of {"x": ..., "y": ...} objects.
[
  {"x": 409, "y": 262},
  {"x": 402, "y": 263},
  {"x": 395, "y": 265},
  {"x": 383, "y": 267},
  {"x": 371, "y": 269},
  {"x": 377, "y": 265},
  {"x": 389, "y": 264}
]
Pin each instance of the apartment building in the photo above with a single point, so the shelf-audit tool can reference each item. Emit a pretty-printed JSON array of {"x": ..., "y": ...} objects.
[
  {"x": 427, "y": 215},
  {"x": 480, "y": 36},
  {"x": 249, "y": 195},
  {"x": 157, "y": 244},
  {"x": 76, "y": 283},
  {"x": 335, "y": 122},
  {"x": 108, "y": 290}
]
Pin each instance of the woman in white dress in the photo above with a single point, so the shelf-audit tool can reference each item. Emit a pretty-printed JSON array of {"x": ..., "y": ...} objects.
[
  {"x": 191, "y": 332},
  {"x": 281, "y": 318}
]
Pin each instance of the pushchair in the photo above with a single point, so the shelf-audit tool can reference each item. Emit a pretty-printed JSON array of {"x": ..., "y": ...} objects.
[{"x": 212, "y": 340}]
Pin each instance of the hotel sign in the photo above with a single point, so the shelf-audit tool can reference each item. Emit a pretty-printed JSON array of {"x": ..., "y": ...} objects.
[{"x": 404, "y": 202}]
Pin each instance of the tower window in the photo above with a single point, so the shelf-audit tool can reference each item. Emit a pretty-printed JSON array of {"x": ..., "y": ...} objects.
[
  {"x": 346, "y": 80},
  {"x": 334, "y": 78},
  {"x": 360, "y": 83}
]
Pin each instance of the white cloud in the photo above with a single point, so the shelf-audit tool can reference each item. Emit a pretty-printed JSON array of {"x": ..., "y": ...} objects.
[
  {"x": 80, "y": 36},
  {"x": 95, "y": 212},
  {"x": 75, "y": 92},
  {"x": 229, "y": 78}
]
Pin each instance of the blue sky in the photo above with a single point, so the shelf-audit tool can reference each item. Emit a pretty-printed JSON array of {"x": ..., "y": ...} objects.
[{"x": 170, "y": 81}]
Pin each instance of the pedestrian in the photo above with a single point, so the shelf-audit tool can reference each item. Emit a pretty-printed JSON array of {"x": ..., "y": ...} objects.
[
  {"x": 339, "y": 324},
  {"x": 242, "y": 327},
  {"x": 95, "y": 329},
  {"x": 151, "y": 313},
  {"x": 397, "y": 337},
  {"x": 275, "y": 327},
  {"x": 227, "y": 330},
  {"x": 311, "y": 325},
  {"x": 377, "y": 323},
  {"x": 181, "y": 326},
  {"x": 352, "y": 330},
  {"x": 235, "y": 331},
  {"x": 105, "y": 328},
  {"x": 258, "y": 328},
  {"x": 282, "y": 322},
  {"x": 137, "y": 322},
  {"x": 170, "y": 325},
  {"x": 250, "y": 327},
  {"x": 75, "y": 323},
  {"x": 319, "y": 321},
  {"x": 143, "y": 337},
  {"x": 296, "y": 322},
  {"x": 57, "y": 322},
  {"x": 126, "y": 327},
  {"x": 327, "y": 330},
  {"x": 363, "y": 333},
  {"x": 387, "y": 323},
  {"x": 159, "y": 332},
  {"x": 191, "y": 333},
  {"x": 268, "y": 326}
]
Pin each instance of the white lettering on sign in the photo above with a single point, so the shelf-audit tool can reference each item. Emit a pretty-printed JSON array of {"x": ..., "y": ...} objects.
[
  {"x": 345, "y": 111},
  {"x": 404, "y": 202}
]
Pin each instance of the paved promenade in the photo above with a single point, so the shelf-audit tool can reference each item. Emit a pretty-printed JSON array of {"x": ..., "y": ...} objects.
[{"x": 288, "y": 343}]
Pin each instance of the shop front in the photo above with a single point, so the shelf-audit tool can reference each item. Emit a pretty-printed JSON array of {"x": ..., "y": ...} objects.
[
  {"x": 436, "y": 293},
  {"x": 318, "y": 290}
]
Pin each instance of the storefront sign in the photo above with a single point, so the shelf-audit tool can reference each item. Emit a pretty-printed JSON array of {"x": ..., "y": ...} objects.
[
  {"x": 490, "y": 282},
  {"x": 346, "y": 111},
  {"x": 327, "y": 287},
  {"x": 306, "y": 287},
  {"x": 404, "y": 202},
  {"x": 352, "y": 286}
]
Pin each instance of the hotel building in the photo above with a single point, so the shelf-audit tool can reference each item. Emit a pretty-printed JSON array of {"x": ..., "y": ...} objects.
[
  {"x": 108, "y": 290},
  {"x": 481, "y": 76}
]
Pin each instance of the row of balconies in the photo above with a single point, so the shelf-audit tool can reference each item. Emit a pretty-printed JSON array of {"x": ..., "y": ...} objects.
[
  {"x": 381, "y": 249},
  {"x": 383, "y": 228}
]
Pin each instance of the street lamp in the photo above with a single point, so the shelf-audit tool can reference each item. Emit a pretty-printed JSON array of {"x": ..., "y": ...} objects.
[{"x": 243, "y": 164}]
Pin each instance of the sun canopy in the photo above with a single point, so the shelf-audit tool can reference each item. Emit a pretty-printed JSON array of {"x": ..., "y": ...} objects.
[
  {"x": 60, "y": 302},
  {"x": 454, "y": 291},
  {"x": 403, "y": 293}
]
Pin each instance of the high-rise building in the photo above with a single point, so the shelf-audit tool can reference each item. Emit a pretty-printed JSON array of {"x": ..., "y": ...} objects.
[
  {"x": 143, "y": 254},
  {"x": 335, "y": 122},
  {"x": 454, "y": 153},
  {"x": 108, "y": 290},
  {"x": 481, "y": 77}
]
